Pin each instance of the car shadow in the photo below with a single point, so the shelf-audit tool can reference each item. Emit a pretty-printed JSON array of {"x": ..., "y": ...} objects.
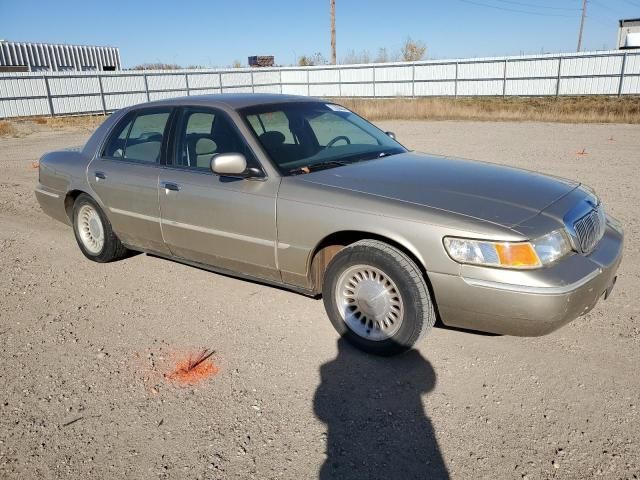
[
  {"x": 442, "y": 326},
  {"x": 376, "y": 423},
  {"x": 234, "y": 275},
  {"x": 130, "y": 254}
]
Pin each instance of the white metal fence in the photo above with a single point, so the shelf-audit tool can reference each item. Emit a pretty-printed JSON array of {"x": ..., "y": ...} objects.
[{"x": 589, "y": 73}]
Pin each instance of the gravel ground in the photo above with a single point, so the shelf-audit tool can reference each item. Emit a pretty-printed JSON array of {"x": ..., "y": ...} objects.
[{"x": 84, "y": 348}]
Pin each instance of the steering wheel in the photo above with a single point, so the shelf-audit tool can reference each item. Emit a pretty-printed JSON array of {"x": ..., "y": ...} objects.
[{"x": 337, "y": 139}]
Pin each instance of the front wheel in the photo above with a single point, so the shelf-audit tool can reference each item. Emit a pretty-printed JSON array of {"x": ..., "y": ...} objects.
[
  {"x": 93, "y": 232},
  {"x": 377, "y": 298}
]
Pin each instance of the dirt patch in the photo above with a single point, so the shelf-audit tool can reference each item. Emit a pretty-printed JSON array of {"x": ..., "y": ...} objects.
[
  {"x": 288, "y": 398},
  {"x": 22, "y": 127},
  {"x": 7, "y": 129}
]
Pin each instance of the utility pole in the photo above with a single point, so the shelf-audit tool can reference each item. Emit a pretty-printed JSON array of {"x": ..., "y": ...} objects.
[
  {"x": 584, "y": 14},
  {"x": 332, "y": 3}
]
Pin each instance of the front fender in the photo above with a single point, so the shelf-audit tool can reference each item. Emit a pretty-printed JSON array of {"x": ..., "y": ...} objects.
[{"x": 308, "y": 213}]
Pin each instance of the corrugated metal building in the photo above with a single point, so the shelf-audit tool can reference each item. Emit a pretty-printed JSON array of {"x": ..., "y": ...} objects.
[
  {"x": 46, "y": 57},
  {"x": 629, "y": 33}
]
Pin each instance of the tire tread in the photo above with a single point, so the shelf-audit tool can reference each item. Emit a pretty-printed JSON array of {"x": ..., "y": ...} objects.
[
  {"x": 113, "y": 247},
  {"x": 424, "y": 322}
]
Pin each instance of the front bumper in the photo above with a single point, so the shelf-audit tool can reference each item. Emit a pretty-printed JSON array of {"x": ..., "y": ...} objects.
[{"x": 529, "y": 303}]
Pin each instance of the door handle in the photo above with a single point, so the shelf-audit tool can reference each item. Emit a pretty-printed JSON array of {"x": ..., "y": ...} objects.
[
  {"x": 174, "y": 187},
  {"x": 100, "y": 176}
]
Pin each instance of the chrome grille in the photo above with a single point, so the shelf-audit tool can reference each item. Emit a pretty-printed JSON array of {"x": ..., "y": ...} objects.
[{"x": 589, "y": 229}]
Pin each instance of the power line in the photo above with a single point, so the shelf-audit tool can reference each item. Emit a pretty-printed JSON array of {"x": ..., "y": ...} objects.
[
  {"x": 505, "y": 9},
  {"x": 602, "y": 5},
  {"x": 533, "y": 5},
  {"x": 607, "y": 7}
]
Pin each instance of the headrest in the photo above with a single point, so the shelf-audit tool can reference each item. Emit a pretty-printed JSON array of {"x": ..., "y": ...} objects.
[
  {"x": 272, "y": 138},
  {"x": 205, "y": 146}
]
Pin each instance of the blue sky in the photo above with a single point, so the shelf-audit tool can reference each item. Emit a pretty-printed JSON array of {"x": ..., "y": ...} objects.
[{"x": 215, "y": 33}]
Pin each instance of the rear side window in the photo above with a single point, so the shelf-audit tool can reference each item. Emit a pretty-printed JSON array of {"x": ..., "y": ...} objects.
[
  {"x": 139, "y": 138},
  {"x": 200, "y": 123}
]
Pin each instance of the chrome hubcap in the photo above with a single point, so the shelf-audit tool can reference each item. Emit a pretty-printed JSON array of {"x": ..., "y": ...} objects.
[
  {"x": 90, "y": 229},
  {"x": 369, "y": 302}
]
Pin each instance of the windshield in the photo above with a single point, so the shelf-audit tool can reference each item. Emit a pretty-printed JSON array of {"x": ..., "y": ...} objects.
[{"x": 304, "y": 136}]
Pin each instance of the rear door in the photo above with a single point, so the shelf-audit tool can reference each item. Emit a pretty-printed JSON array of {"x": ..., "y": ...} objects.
[
  {"x": 125, "y": 177},
  {"x": 221, "y": 221}
]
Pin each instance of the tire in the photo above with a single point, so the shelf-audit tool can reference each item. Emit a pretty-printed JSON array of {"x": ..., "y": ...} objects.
[
  {"x": 94, "y": 233},
  {"x": 377, "y": 298}
]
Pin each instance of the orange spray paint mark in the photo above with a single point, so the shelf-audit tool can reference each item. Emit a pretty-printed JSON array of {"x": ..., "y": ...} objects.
[
  {"x": 582, "y": 152},
  {"x": 194, "y": 369}
]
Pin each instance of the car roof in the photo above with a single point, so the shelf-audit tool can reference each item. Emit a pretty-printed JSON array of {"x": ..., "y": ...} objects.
[{"x": 232, "y": 100}]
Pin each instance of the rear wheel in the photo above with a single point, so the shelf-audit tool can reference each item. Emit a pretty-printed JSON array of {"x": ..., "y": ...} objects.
[
  {"x": 377, "y": 298},
  {"x": 93, "y": 232}
]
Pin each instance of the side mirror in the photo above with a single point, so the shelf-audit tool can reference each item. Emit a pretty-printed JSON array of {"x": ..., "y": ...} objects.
[
  {"x": 233, "y": 164},
  {"x": 391, "y": 134}
]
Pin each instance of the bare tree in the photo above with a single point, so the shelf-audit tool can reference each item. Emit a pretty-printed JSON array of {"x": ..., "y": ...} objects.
[
  {"x": 385, "y": 56},
  {"x": 157, "y": 66},
  {"x": 315, "y": 59},
  {"x": 413, "y": 50},
  {"x": 304, "y": 61},
  {"x": 356, "y": 57}
]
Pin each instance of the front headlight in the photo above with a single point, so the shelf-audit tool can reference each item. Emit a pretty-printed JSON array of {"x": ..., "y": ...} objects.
[{"x": 533, "y": 254}]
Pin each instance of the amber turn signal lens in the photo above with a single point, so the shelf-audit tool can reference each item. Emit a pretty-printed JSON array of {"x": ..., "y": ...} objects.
[
  {"x": 520, "y": 254},
  {"x": 517, "y": 255}
]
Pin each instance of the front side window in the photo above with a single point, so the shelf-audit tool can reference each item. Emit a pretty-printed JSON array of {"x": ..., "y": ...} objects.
[
  {"x": 139, "y": 138},
  {"x": 203, "y": 133},
  {"x": 273, "y": 122},
  {"x": 302, "y": 136}
]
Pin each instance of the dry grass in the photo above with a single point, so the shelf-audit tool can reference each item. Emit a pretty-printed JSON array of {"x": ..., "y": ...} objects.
[
  {"x": 21, "y": 127},
  {"x": 563, "y": 109},
  {"x": 7, "y": 129},
  {"x": 539, "y": 109},
  {"x": 83, "y": 121}
]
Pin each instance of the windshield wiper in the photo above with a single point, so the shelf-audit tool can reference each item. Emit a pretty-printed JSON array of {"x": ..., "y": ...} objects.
[
  {"x": 373, "y": 156},
  {"x": 340, "y": 163},
  {"x": 318, "y": 166}
]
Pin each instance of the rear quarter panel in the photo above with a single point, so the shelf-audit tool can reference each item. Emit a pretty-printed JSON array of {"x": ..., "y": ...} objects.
[
  {"x": 60, "y": 172},
  {"x": 64, "y": 171}
]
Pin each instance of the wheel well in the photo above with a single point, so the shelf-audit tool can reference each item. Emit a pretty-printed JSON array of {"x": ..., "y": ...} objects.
[
  {"x": 69, "y": 200},
  {"x": 332, "y": 244}
]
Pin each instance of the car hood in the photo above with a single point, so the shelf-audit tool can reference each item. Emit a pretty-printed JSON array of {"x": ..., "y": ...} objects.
[{"x": 498, "y": 194}]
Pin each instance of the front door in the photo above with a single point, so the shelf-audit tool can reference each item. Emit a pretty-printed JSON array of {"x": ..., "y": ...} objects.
[
  {"x": 225, "y": 222},
  {"x": 125, "y": 177}
]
